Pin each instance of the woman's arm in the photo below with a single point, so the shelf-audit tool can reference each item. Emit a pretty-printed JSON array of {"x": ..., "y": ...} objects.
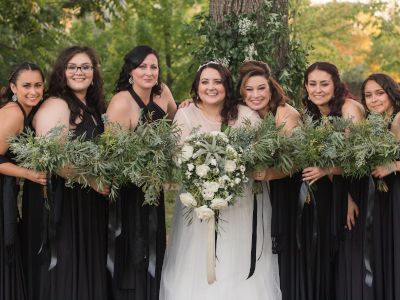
[{"x": 12, "y": 124}]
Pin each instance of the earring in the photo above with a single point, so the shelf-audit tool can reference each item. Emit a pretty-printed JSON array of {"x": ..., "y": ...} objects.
[
  {"x": 130, "y": 80},
  {"x": 92, "y": 83},
  {"x": 14, "y": 98}
]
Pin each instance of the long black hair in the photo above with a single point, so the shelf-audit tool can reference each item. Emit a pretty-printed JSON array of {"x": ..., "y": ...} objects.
[
  {"x": 95, "y": 99},
  {"x": 6, "y": 93},
  {"x": 230, "y": 108},
  {"x": 340, "y": 93},
  {"x": 132, "y": 60},
  {"x": 389, "y": 85}
]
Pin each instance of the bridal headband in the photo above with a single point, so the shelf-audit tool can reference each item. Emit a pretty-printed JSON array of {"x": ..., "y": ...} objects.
[{"x": 220, "y": 62}]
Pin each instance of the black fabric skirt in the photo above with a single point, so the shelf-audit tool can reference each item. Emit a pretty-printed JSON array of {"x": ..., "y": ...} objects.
[
  {"x": 319, "y": 232},
  {"x": 12, "y": 282},
  {"x": 80, "y": 245},
  {"x": 142, "y": 239},
  {"x": 386, "y": 226},
  {"x": 284, "y": 200}
]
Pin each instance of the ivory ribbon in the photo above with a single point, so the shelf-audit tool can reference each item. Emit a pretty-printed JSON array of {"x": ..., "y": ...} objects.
[{"x": 211, "y": 277}]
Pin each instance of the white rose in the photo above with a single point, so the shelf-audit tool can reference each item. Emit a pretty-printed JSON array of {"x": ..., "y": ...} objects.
[
  {"x": 202, "y": 170},
  {"x": 204, "y": 213},
  {"x": 218, "y": 203},
  {"x": 230, "y": 166},
  {"x": 187, "y": 152},
  {"x": 188, "y": 200},
  {"x": 211, "y": 186},
  {"x": 207, "y": 194},
  {"x": 190, "y": 167},
  {"x": 237, "y": 180}
]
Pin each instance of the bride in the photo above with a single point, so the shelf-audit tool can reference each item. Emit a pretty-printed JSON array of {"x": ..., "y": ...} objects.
[{"x": 184, "y": 275}]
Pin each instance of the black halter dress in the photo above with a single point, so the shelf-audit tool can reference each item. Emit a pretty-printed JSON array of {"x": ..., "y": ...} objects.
[
  {"x": 140, "y": 246},
  {"x": 12, "y": 283},
  {"x": 78, "y": 243}
]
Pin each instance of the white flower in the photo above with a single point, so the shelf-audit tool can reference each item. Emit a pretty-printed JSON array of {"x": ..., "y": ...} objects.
[
  {"x": 211, "y": 186},
  {"x": 204, "y": 213},
  {"x": 207, "y": 194},
  {"x": 229, "y": 198},
  {"x": 232, "y": 150},
  {"x": 223, "y": 179},
  {"x": 245, "y": 25},
  {"x": 213, "y": 162},
  {"x": 202, "y": 170},
  {"x": 188, "y": 200},
  {"x": 250, "y": 52},
  {"x": 190, "y": 167},
  {"x": 188, "y": 174},
  {"x": 242, "y": 168},
  {"x": 237, "y": 180},
  {"x": 218, "y": 203},
  {"x": 187, "y": 152},
  {"x": 230, "y": 166}
]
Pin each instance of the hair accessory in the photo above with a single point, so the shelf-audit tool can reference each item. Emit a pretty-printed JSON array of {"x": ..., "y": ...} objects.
[
  {"x": 130, "y": 80},
  {"x": 14, "y": 98},
  {"x": 223, "y": 62}
]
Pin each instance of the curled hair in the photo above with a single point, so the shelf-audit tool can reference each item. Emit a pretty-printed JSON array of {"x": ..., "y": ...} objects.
[
  {"x": 95, "y": 99},
  {"x": 132, "y": 60},
  {"x": 387, "y": 83},
  {"x": 257, "y": 68},
  {"x": 230, "y": 108},
  {"x": 340, "y": 93},
  {"x": 6, "y": 93}
]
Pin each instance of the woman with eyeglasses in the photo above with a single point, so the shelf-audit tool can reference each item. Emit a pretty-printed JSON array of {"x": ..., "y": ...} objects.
[
  {"x": 24, "y": 91},
  {"x": 75, "y": 235},
  {"x": 139, "y": 248},
  {"x": 381, "y": 94}
]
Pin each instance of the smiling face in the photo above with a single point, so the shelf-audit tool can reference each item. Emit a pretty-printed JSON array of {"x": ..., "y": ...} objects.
[
  {"x": 211, "y": 90},
  {"x": 79, "y": 73},
  {"x": 257, "y": 93},
  {"x": 320, "y": 87},
  {"x": 145, "y": 76},
  {"x": 376, "y": 99},
  {"x": 28, "y": 88}
]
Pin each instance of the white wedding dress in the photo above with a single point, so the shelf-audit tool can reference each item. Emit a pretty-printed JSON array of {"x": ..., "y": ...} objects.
[{"x": 184, "y": 274}]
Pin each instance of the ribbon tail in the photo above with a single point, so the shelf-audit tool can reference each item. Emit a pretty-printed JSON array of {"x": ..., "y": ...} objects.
[
  {"x": 211, "y": 276},
  {"x": 368, "y": 233},
  {"x": 253, "y": 240},
  {"x": 49, "y": 193}
]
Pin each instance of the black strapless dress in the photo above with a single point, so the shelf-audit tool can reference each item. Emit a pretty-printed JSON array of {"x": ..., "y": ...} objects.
[{"x": 139, "y": 249}]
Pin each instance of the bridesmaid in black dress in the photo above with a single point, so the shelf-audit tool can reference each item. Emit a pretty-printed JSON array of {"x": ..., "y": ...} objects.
[
  {"x": 138, "y": 240},
  {"x": 75, "y": 232},
  {"x": 259, "y": 91},
  {"x": 323, "y": 220},
  {"x": 24, "y": 91},
  {"x": 381, "y": 94}
]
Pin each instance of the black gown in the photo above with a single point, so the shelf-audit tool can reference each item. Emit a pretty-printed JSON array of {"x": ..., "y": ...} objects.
[
  {"x": 319, "y": 231},
  {"x": 76, "y": 236},
  {"x": 12, "y": 281},
  {"x": 351, "y": 269},
  {"x": 143, "y": 235},
  {"x": 284, "y": 194},
  {"x": 386, "y": 237}
]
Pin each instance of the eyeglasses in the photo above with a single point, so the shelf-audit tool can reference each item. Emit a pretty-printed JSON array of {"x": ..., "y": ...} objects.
[{"x": 85, "y": 68}]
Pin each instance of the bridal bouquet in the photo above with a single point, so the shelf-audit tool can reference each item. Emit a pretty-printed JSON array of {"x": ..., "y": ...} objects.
[{"x": 212, "y": 174}]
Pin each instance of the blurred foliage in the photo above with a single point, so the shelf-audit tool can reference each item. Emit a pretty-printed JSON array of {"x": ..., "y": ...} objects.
[{"x": 360, "y": 38}]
